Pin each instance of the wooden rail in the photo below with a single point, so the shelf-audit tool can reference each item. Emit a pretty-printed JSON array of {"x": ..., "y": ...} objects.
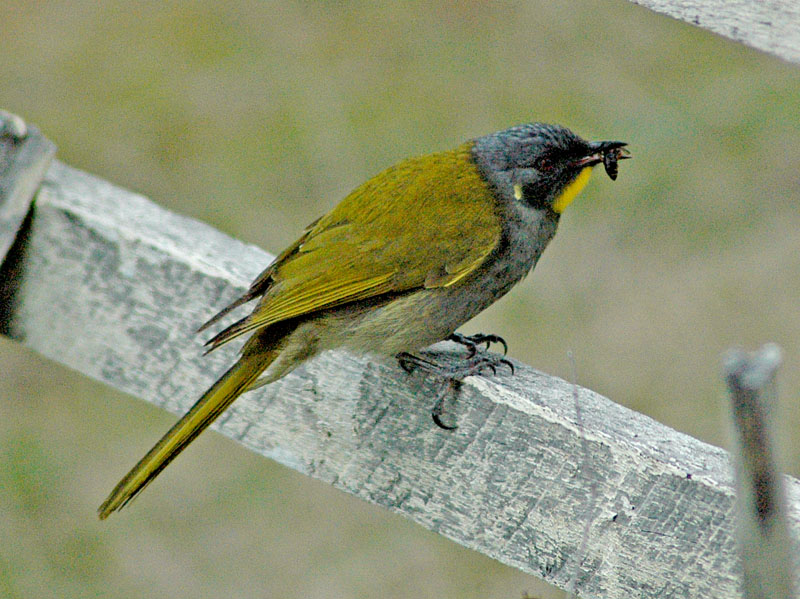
[{"x": 772, "y": 26}]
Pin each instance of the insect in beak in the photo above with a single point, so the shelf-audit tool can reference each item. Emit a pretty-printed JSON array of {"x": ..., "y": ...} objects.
[
  {"x": 611, "y": 158},
  {"x": 607, "y": 152}
]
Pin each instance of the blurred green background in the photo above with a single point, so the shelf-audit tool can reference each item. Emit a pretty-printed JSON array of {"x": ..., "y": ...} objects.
[{"x": 259, "y": 116}]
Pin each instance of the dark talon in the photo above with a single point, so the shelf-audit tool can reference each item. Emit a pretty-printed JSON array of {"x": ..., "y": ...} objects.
[
  {"x": 467, "y": 342},
  {"x": 489, "y": 339},
  {"x": 490, "y": 366},
  {"x": 405, "y": 363},
  {"x": 471, "y": 342},
  {"x": 441, "y": 424},
  {"x": 410, "y": 362},
  {"x": 438, "y": 408},
  {"x": 509, "y": 364}
]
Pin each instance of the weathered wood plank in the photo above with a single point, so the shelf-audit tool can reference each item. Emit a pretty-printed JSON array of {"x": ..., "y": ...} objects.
[
  {"x": 773, "y": 26},
  {"x": 113, "y": 286}
]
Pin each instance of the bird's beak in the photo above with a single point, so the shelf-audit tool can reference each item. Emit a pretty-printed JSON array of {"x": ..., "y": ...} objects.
[
  {"x": 600, "y": 148},
  {"x": 607, "y": 152},
  {"x": 607, "y": 146}
]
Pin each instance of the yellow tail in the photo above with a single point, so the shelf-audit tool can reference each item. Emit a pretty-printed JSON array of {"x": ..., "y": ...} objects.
[{"x": 213, "y": 403}]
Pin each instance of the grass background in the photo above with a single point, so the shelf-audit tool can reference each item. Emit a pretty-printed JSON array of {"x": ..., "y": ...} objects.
[{"x": 259, "y": 116}]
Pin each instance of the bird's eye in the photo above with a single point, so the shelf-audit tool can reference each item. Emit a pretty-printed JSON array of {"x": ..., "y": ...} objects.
[{"x": 544, "y": 163}]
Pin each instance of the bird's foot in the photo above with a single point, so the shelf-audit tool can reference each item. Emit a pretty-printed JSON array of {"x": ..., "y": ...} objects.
[
  {"x": 477, "y": 362},
  {"x": 471, "y": 342}
]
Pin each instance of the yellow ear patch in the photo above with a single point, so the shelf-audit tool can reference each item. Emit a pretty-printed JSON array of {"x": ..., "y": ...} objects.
[
  {"x": 569, "y": 193},
  {"x": 518, "y": 191}
]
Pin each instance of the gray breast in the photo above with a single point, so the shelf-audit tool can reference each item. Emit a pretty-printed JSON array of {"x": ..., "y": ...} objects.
[{"x": 526, "y": 233}]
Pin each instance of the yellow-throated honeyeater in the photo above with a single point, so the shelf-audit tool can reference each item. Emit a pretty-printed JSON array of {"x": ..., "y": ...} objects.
[{"x": 403, "y": 261}]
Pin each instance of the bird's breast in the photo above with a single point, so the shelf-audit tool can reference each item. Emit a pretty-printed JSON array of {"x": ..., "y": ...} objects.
[{"x": 526, "y": 233}]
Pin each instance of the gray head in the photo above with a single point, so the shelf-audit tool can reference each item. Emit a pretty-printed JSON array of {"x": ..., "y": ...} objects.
[{"x": 542, "y": 165}]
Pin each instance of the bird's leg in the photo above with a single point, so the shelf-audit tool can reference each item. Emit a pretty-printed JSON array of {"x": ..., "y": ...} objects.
[
  {"x": 477, "y": 362},
  {"x": 410, "y": 362}
]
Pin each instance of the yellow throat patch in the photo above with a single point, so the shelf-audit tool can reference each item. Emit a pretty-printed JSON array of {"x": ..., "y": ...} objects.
[{"x": 569, "y": 193}]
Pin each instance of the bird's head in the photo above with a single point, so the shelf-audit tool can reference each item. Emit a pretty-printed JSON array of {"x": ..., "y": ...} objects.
[{"x": 544, "y": 166}]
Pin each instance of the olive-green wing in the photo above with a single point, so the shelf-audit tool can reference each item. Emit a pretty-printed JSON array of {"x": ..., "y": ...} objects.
[
  {"x": 260, "y": 284},
  {"x": 426, "y": 222}
]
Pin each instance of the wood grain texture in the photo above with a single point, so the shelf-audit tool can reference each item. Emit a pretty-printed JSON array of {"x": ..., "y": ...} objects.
[
  {"x": 114, "y": 286},
  {"x": 772, "y": 26}
]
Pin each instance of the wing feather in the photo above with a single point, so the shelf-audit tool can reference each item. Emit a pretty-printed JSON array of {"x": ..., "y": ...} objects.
[{"x": 426, "y": 222}]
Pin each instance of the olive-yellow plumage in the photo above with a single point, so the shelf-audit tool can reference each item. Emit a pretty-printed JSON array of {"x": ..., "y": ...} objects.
[
  {"x": 359, "y": 249},
  {"x": 400, "y": 263}
]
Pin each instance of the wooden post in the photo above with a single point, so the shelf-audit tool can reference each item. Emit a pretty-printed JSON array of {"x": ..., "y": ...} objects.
[{"x": 762, "y": 528}]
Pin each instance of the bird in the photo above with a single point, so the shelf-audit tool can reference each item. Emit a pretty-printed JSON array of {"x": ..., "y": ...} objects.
[{"x": 399, "y": 264}]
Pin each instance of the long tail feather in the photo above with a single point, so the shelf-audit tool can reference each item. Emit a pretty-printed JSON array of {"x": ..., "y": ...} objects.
[
  {"x": 213, "y": 403},
  {"x": 226, "y": 310}
]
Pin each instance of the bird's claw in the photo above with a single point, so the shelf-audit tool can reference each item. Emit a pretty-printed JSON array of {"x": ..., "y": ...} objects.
[
  {"x": 438, "y": 410},
  {"x": 471, "y": 342},
  {"x": 405, "y": 361},
  {"x": 474, "y": 364}
]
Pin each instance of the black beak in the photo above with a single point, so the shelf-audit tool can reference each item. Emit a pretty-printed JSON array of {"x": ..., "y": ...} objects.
[
  {"x": 606, "y": 146},
  {"x": 607, "y": 152}
]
